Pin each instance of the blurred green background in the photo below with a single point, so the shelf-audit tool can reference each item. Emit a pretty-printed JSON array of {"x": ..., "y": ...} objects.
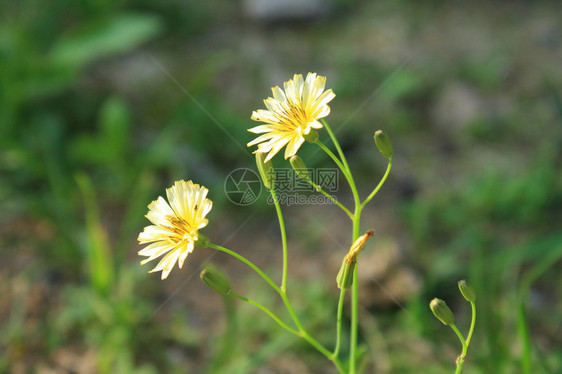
[{"x": 104, "y": 104}]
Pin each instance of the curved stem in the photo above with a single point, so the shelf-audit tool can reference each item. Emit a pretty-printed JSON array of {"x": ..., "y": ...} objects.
[
  {"x": 335, "y": 159},
  {"x": 322, "y": 350},
  {"x": 339, "y": 323},
  {"x": 472, "y": 323},
  {"x": 343, "y": 165},
  {"x": 301, "y": 331},
  {"x": 461, "y": 337},
  {"x": 378, "y": 187},
  {"x": 462, "y": 357},
  {"x": 337, "y": 145},
  {"x": 267, "y": 311},
  {"x": 283, "y": 238},
  {"x": 250, "y": 264},
  {"x": 319, "y": 189}
]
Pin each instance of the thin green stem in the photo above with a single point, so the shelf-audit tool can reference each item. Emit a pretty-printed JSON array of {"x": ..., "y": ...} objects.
[
  {"x": 322, "y": 350},
  {"x": 336, "y": 143},
  {"x": 335, "y": 159},
  {"x": 319, "y": 189},
  {"x": 378, "y": 187},
  {"x": 472, "y": 323},
  {"x": 461, "y": 337},
  {"x": 283, "y": 238},
  {"x": 339, "y": 323},
  {"x": 250, "y": 264},
  {"x": 354, "y": 298},
  {"x": 301, "y": 331},
  {"x": 267, "y": 311},
  {"x": 462, "y": 357},
  {"x": 345, "y": 165}
]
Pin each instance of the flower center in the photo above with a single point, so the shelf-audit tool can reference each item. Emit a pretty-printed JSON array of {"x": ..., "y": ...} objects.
[{"x": 182, "y": 228}]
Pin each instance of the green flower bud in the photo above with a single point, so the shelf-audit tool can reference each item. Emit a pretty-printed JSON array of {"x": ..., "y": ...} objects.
[
  {"x": 215, "y": 279},
  {"x": 267, "y": 173},
  {"x": 345, "y": 275},
  {"x": 442, "y": 311},
  {"x": 312, "y": 136},
  {"x": 299, "y": 167},
  {"x": 202, "y": 241},
  {"x": 467, "y": 291},
  {"x": 383, "y": 144}
]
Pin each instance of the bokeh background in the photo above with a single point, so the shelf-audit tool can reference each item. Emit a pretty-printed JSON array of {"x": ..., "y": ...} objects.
[{"x": 105, "y": 104}]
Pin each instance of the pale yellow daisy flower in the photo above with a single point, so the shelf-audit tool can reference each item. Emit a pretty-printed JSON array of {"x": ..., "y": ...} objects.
[
  {"x": 175, "y": 225},
  {"x": 291, "y": 114}
]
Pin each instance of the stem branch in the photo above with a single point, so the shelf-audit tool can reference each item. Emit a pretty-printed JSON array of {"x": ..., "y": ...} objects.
[
  {"x": 267, "y": 311},
  {"x": 339, "y": 323},
  {"x": 378, "y": 187}
]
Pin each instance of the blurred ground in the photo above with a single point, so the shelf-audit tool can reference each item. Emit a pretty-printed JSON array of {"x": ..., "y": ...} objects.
[{"x": 104, "y": 105}]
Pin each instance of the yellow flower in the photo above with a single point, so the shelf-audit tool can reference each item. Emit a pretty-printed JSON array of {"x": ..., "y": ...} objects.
[
  {"x": 291, "y": 115},
  {"x": 175, "y": 226}
]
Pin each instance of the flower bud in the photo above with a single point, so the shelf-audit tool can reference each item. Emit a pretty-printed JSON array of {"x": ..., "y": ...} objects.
[
  {"x": 345, "y": 275},
  {"x": 299, "y": 167},
  {"x": 383, "y": 144},
  {"x": 442, "y": 311},
  {"x": 215, "y": 279},
  {"x": 202, "y": 241},
  {"x": 360, "y": 243},
  {"x": 467, "y": 291},
  {"x": 267, "y": 173},
  {"x": 312, "y": 136}
]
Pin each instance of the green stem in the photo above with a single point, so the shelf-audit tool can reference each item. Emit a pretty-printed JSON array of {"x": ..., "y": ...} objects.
[
  {"x": 354, "y": 298},
  {"x": 303, "y": 334},
  {"x": 249, "y": 263},
  {"x": 322, "y": 350},
  {"x": 378, "y": 187},
  {"x": 339, "y": 323},
  {"x": 462, "y": 357},
  {"x": 344, "y": 166},
  {"x": 267, "y": 311},
  {"x": 461, "y": 337},
  {"x": 336, "y": 143},
  {"x": 472, "y": 323},
  {"x": 301, "y": 331},
  {"x": 335, "y": 159},
  {"x": 319, "y": 189},
  {"x": 460, "y": 363},
  {"x": 283, "y": 238}
]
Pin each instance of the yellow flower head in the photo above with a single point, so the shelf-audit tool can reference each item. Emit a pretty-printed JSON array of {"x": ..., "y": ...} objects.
[
  {"x": 175, "y": 226},
  {"x": 291, "y": 114}
]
